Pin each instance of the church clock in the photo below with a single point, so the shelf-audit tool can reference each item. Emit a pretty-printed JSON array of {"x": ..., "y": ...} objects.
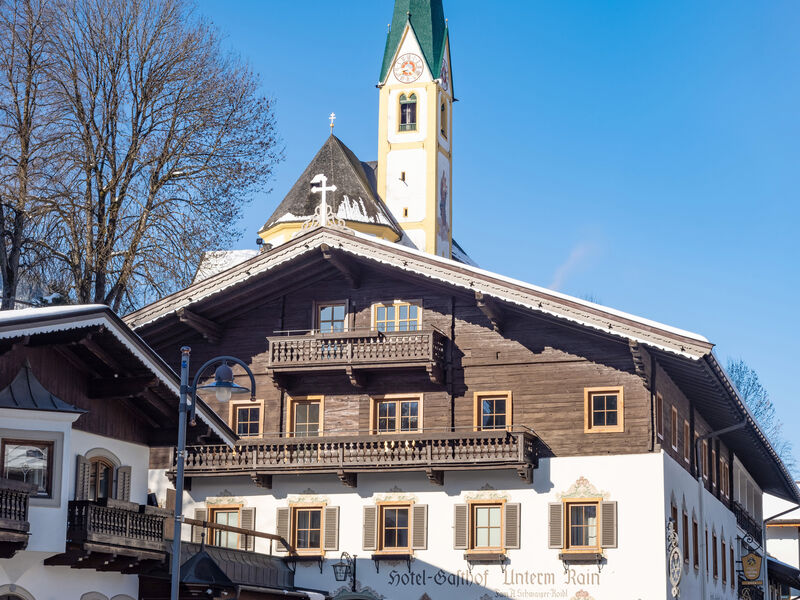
[{"x": 408, "y": 68}]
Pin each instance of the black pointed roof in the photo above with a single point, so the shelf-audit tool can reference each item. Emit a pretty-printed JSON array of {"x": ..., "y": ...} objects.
[
  {"x": 354, "y": 200},
  {"x": 27, "y": 393}
]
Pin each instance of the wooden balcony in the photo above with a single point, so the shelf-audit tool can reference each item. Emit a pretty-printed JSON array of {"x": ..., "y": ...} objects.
[
  {"x": 357, "y": 352},
  {"x": 346, "y": 456},
  {"x": 14, "y": 526},
  {"x": 113, "y": 535}
]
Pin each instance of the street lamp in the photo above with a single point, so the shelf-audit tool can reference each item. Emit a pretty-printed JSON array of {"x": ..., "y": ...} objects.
[
  {"x": 223, "y": 386},
  {"x": 346, "y": 567}
]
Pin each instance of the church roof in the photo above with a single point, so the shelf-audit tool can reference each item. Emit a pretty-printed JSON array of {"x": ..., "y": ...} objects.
[
  {"x": 354, "y": 200},
  {"x": 427, "y": 21}
]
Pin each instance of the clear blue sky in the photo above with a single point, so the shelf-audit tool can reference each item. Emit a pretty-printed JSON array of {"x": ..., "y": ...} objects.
[{"x": 644, "y": 153}]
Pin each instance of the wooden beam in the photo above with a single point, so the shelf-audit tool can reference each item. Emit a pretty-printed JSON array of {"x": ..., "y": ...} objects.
[
  {"x": 119, "y": 387},
  {"x": 75, "y": 362},
  {"x": 210, "y": 330},
  {"x": 159, "y": 403},
  {"x": 262, "y": 480},
  {"x": 435, "y": 476},
  {"x": 491, "y": 310},
  {"x": 346, "y": 267},
  {"x": 92, "y": 346},
  {"x": 348, "y": 479}
]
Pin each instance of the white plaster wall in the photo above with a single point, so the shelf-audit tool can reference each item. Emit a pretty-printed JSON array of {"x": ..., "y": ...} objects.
[
  {"x": 782, "y": 542},
  {"x": 411, "y": 192},
  {"x": 636, "y": 570},
  {"x": 393, "y": 114},
  {"x": 26, "y": 570},
  {"x": 684, "y": 489}
]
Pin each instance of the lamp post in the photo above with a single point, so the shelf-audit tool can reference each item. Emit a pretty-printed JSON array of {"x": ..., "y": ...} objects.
[
  {"x": 346, "y": 567},
  {"x": 224, "y": 387}
]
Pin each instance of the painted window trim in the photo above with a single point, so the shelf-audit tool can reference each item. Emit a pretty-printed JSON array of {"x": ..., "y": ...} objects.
[
  {"x": 397, "y": 302},
  {"x": 408, "y": 94},
  {"x": 696, "y": 543},
  {"x": 53, "y": 491},
  {"x": 673, "y": 428},
  {"x": 373, "y": 412},
  {"x": 567, "y": 502},
  {"x": 317, "y": 305},
  {"x": 292, "y": 401},
  {"x": 660, "y": 416},
  {"x": 704, "y": 460},
  {"x": 477, "y": 414},
  {"x": 211, "y": 533},
  {"x": 293, "y": 508},
  {"x": 232, "y": 420},
  {"x": 685, "y": 539},
  {"x": 472, "y": 505},
  {"x": 380, "y": 525},
  {"x": 687, "y": 444},
  {"x": 588, "y": 392}
]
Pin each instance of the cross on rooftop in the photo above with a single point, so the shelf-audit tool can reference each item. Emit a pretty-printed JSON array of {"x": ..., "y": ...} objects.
[{"x": 332, "y": 119}]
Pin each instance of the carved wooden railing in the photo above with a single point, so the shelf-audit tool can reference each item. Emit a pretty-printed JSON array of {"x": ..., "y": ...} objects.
[
  {"x": 117, "y": 523},
  {"x": 330, "y": 350},
  {"x": 439, "y": 451},
  {"x": 747, "y": 523},
  {"x": 14, "y": 496}
]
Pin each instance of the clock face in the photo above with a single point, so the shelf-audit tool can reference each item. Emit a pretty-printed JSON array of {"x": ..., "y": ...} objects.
[
  {"x": 408, "y": 68},
  {"x": 444, "y": 76}
]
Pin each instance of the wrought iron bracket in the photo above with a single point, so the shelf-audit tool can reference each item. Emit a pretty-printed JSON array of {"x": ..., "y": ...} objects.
[{"x": 378, "y": 558}]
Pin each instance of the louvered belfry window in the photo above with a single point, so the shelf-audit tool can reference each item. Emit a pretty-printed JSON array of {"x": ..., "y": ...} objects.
[{"x": 408, "y": 112}]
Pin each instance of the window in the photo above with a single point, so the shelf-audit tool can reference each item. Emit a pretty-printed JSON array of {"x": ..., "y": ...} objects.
[
  {"x": 694, "y": 450},
  {"x": 685, "y": 537},
  {"x": 29, "y": 461},
  {"x": 487, "y": 527},
  {"x": 673, "y": 428},
  {"x": 705, "y": 459},
  {"x": 394, "y": 528},
  {"x": 706, "y": 551},
  {"x": 714, "y": 554},
  {"x": 492, "y": 410},
  {"x": 674, "y": 516},
  {"x": 305, "y": 416},
  {"x": 695, "y": 544},
  {"x": 247, "y": 418},
  {"x": 398, "y": 316},
  {"x": 724, "y": 568},
  {"x": 101, "y": 479},
  {"x": 603, "y": 410},
  {"x": 393, "y": 414},
  {"x": 307, "y": 530},
  {"x": 714, "y": 468},
  {"x": 443, "y": 119},
  {"x": 687, "y": 442},
  {"x": 225, "y": 516},
  {"x": 582, "y": 526},
  {"x": 408, "y": 112},
  {"x": 660, "y": 416},
  {"x": 332, "y": 318},
  {"x": 732, "y": 565},
  {"x": 725, "y": 478}
]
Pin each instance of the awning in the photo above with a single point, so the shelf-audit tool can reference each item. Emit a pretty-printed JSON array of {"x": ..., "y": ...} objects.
[{"x": 780, "y": 572}]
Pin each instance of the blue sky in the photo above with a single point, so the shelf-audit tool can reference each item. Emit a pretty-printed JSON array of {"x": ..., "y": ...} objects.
[{"x": 642, "y": 153}]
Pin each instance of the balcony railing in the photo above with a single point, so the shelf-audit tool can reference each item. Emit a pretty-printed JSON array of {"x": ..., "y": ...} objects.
[
  {"x": 747, "y": 523},
  {"x": 433, "y": 452},
  {"x": 357, "y": 350},
  {"x": 14, "y": 526}
]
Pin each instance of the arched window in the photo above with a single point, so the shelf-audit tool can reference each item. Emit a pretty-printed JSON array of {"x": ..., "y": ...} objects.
[
  {"x": 408, "y": 112},
  {"x": 443, "y": 119},
  {"x": 101, "y": 478}
]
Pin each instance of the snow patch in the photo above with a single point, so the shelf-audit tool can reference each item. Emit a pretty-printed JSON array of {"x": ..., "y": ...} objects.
[{"x": 216, "y": 261}]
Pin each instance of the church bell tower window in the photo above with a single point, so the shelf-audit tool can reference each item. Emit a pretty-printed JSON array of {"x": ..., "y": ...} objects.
[
  {"x": 443, "y": 119},
  {"x": 408, "y": 112}
]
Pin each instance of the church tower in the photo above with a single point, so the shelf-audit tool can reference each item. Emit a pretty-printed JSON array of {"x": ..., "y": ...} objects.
[{"x": 415, "y": 117}]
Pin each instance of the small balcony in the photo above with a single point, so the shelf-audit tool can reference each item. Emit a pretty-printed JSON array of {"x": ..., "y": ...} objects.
[
  {"x": 112, "y": 535},
  {"x": 14, "y": 526},
  {"x": 433, "y": 453},
  {"x": 747, "y": 523},
  {"x": 357, "y": 352}
]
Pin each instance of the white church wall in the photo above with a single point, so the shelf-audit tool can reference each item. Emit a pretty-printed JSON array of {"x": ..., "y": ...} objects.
[
  {"x": 635, "y": 569},
  {"x": 408, "y": 193},
  {"x": 396, "y": 136}
]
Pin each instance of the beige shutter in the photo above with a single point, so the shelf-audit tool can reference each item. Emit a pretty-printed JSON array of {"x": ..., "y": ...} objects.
[
  {"x": 124, "y": 484},
  {"x": 169, "y": 524},
  {"x": 82, "y": 477},
  {"x": 201, "y": 514},
  {"x": 419, "y": 527},
  {"x": 370, "y": 531},
  {"x": 248, "y": 522},
  {"x": 330, "y": 533},
  {"x": 461, "y": 526},
  {"x": 555, "y": 525},
  {"x": 282, "y": 517},
  {"x": 608, "y": 524},
  {"x": 511, "y": 533}
]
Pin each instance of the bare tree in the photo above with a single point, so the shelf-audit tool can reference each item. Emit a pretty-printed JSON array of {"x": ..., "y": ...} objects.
[
  {"x": 28, "y": 128},
  {"x": 167, "y": 135},
  {"x": 757, "y": 399}
]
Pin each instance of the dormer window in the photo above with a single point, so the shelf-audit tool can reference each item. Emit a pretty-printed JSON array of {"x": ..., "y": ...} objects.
[{"x": 408, "y": 112}]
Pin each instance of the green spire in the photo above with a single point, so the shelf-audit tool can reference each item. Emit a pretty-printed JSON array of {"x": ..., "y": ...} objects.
[{"x": 427, "y": 20}]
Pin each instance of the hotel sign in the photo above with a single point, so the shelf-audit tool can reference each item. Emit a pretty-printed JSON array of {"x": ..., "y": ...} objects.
[{"x": 751, "y": 568}]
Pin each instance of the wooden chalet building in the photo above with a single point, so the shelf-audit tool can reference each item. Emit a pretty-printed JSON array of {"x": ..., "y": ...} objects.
[{"x": 82, "y": 401}]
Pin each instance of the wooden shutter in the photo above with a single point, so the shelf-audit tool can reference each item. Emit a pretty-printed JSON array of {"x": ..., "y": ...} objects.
[
  {"x": 124, "y": 484},
  {"x": 169, "y": 524},
  {"x": 82, "y": 477},
  {"x": 201, "y": 514},
  {"x": 419, "y": 527},
  {"x": 461, "y": 526},
  {"x": 370, "y": 531},
  {"x": 555, "y": 525},
  {"x": 330, "y": 533},
  {"x": 248, "y": 520},
  {"x": 511, "y": 532},
  {"x": 282, "y": 519},
  {"x": 608, "y": 524}
]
